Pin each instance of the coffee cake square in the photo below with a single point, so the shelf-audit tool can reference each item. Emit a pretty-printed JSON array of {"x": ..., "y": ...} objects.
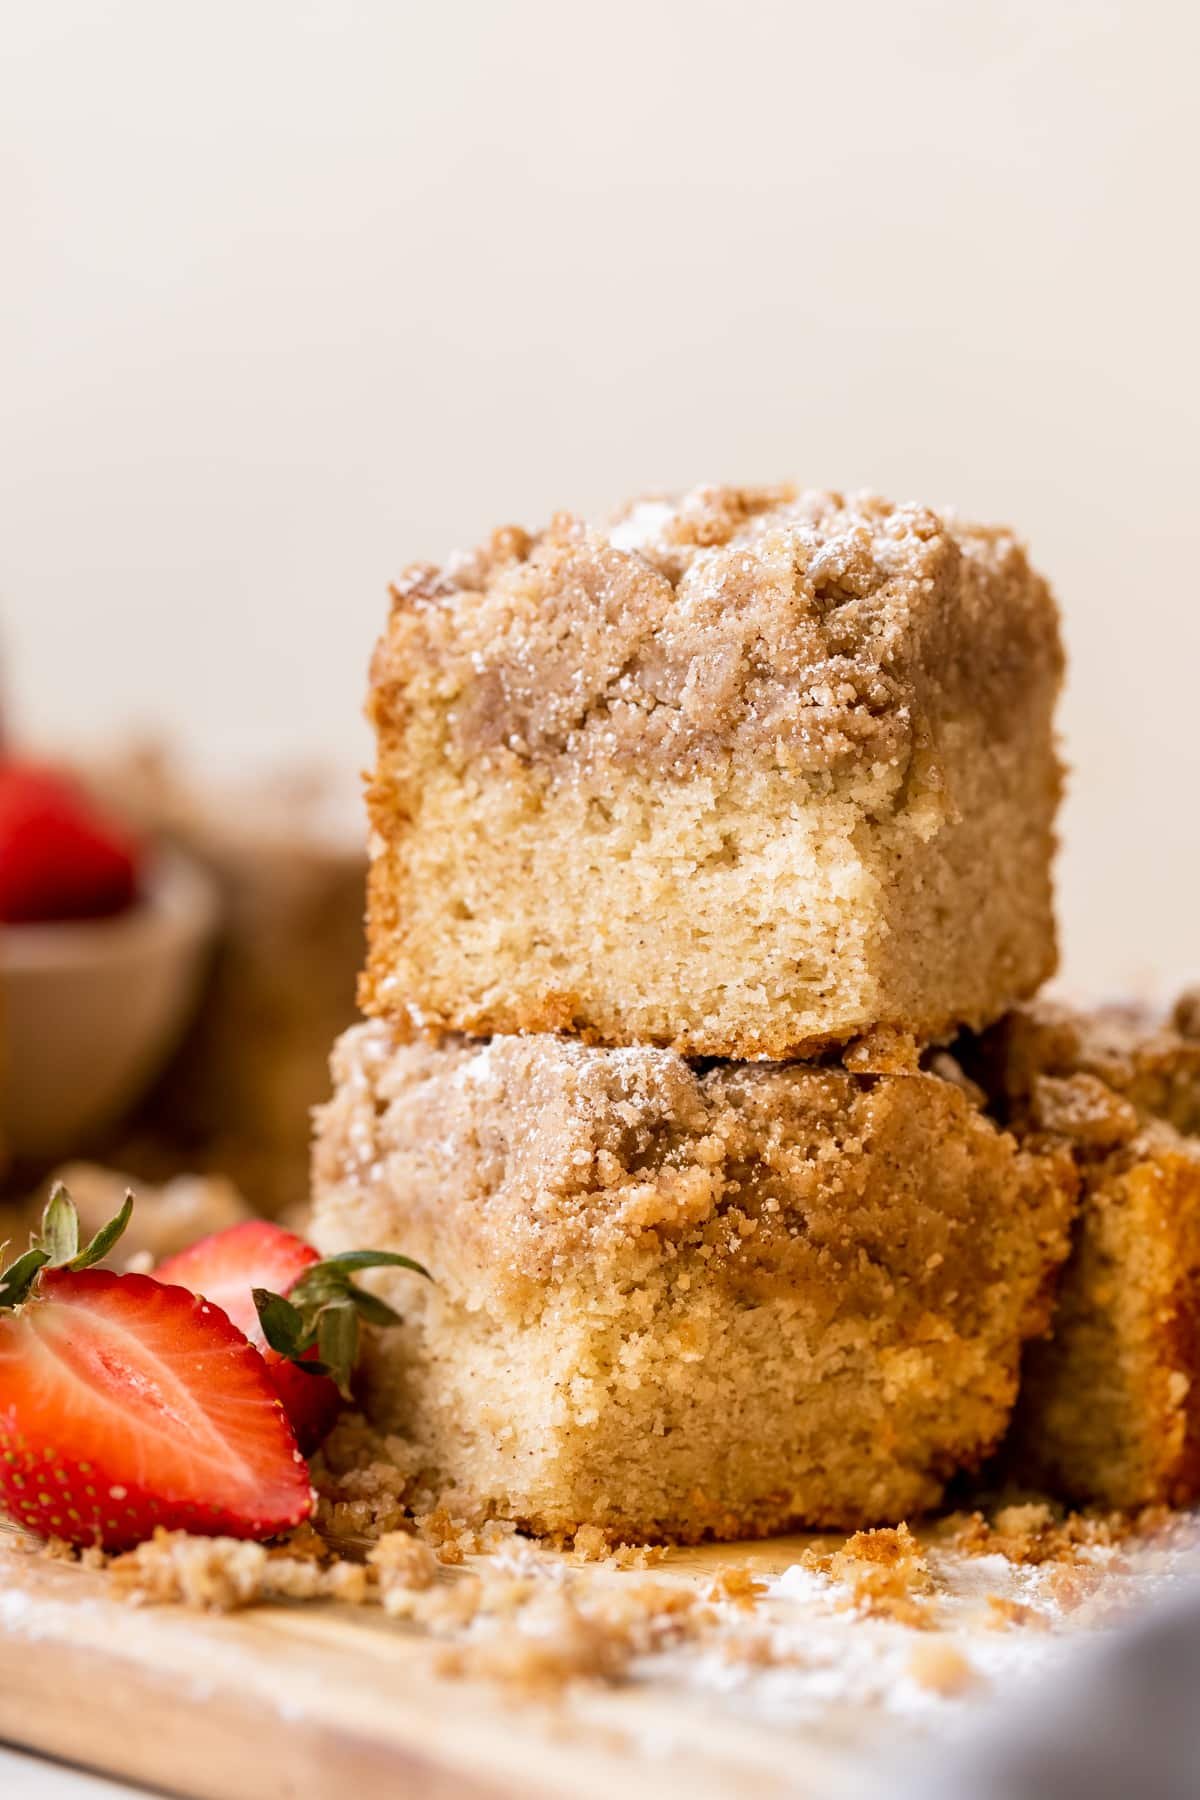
[
  {"x": 743, "y": 774},
  {"x": 1110, "y": 1401},
  {"x": 674, "y": 1301}
]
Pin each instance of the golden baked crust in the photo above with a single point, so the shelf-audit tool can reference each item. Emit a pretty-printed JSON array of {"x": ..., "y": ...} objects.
[
  {"x": 744, "y": 774},
  {"x": 1110, "y": 1402},
  {"x": 676, "y": 1301}
]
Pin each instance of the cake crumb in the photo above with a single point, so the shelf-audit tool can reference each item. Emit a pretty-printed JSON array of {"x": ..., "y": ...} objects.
[
  {"x": 638, "y": 1556},
  {"x": 538, "y": 1657},
  {"x": 403, "y": 1561},
  {"x": 1004, "y": 1612},
  {"x": 366, "y": 1481},
  {"x": 886, "y": 1573},
  {"x": 57, "y": 1549},
  {"x": 883, "y": 1050},
  {"x": 534, "y": 1626},
  {"x": 347, "y": 1582},
  {"x": 221, "y": 1574},
  {"x": 1036, "y": 1532},
  {"x": 942, "y": 1669},
  {"x": 738, "y": 1584},
  {"x": 304, "y": 1544},
  {"x": 1071, "y": 1585},
  {"x": 590, "y": 1544}
]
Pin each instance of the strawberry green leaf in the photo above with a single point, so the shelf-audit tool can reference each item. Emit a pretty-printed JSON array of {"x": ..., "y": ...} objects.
[
  {"x": 105, "y": 1239},
  {"x": 56, "y": 1246},
  {"x": 309, "y": 1365},
  {"x": 373, "y": 1259},
  {"x": 318, "y": 1287},
  {"x": 324, "y": 1309},
  {"x": 337, "y": 1341},
  {"x": 374, "y": 1310},
  {"x": 16, "y": 1282},
  {"x": 60, "y": 1228},
  {"x": 329, "y": 1281},
  {"x": 282, "y": 1323}
]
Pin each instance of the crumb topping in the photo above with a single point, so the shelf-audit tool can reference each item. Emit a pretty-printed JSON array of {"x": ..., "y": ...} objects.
[
  {"x": 561, "y": 1152},
  {"x": 1096, "y": 1075},
  {"x": 815, "y": 630}
]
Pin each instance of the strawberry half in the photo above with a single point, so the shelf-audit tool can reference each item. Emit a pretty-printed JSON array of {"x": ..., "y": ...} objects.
[
  {"x": 126, "y": 1404},
  {"x": 226, "y": 1268}
]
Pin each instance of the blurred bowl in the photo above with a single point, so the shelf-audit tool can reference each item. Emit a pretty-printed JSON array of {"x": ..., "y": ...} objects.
[{"x": 91, "y": 1009}]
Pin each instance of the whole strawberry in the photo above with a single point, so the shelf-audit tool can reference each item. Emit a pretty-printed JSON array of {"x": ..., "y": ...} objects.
[
  {"x": 300, "y": 1312},
  {"x": 61, "y": 856},
  {"x": 126, "y": 1404}
]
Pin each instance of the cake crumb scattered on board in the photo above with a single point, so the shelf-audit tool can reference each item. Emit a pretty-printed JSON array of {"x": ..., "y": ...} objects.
[
  {"x": 941, "y": 1668},
  {"x": 403, "y": 1561},
  {"x": 222, "y": 1574},
  {"x": 568, "y": 1645},
  {"x": 1034, "y": 1532},
  {"x": 886, "y": 1574},
  {"x": 1004, "y": 1611},
  {"x": 735, "y": 1582}
]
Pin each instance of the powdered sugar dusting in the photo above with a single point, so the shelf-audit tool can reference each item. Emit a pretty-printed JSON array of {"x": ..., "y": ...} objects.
[{"x": 641, "y": 525}]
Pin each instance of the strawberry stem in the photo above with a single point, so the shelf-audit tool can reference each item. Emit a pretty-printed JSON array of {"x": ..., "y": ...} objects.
[
  {"x": 56, "y": 1246},
  {"x": 323, "y": 1312}
]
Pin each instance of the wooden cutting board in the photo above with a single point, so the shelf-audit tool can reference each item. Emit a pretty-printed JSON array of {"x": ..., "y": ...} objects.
[{"x": 313, "y": 1700}]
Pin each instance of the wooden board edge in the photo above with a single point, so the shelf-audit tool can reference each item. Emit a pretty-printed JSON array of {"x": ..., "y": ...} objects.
[{"x": 54, "y": 1701}]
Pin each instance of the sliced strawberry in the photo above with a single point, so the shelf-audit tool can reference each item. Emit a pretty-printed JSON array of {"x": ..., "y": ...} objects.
[
  {"x": 126, "y": 1404},
  {"x": 226, "y": 1268},
  {"x": 61, "y": 857}
]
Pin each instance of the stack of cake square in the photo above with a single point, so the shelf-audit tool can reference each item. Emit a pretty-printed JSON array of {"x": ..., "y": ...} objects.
[{"x": 693, "y": 837}]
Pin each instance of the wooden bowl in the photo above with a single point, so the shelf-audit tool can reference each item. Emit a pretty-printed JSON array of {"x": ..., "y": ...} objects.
[{"x": 91, "y": 1009}]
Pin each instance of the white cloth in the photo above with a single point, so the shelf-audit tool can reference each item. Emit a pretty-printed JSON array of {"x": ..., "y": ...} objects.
[{"x": 1122, "y": 1722}]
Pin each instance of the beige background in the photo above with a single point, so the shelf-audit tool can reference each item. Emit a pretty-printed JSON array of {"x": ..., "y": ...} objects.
[{"x": 293, "y": 293}]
